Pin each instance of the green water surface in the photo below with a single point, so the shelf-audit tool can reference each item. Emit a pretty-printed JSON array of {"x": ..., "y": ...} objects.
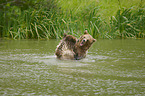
[{"x": 112, "y": 67}]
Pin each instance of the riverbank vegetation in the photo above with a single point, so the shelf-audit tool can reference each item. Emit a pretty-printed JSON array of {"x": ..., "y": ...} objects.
[{"x": 49, "y": 19}]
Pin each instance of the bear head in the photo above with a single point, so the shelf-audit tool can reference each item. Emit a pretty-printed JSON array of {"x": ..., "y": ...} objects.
[{"x": 86, "y": 41}]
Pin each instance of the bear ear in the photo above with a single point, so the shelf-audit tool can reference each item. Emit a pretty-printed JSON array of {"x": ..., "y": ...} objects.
[
  {"x": 86, "y": 32},
  {"x": 64, "y": 35},
  {"x": 94, "y": 40}
]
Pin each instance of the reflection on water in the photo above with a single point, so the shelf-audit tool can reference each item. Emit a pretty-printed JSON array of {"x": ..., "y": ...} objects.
[{"x": 112, "y": 67}]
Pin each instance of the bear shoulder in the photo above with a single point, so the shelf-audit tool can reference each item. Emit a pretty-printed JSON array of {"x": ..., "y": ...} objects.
[{"x": 66, "y": 46}]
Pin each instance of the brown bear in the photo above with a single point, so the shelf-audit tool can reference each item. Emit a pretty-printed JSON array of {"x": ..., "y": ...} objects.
[{"x": 71, "y": 48}]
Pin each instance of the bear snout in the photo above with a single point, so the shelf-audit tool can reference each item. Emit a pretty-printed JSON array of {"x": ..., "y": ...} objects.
[{"x": 83, "y": 42}]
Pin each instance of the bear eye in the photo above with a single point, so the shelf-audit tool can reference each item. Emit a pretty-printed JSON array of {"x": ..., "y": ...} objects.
[{"x": 84, "y": 40}]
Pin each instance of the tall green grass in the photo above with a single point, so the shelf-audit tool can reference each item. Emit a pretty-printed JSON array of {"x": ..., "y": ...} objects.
[
  {"x": 128, "y": 24},
  {"x": 102, "y": 18}
]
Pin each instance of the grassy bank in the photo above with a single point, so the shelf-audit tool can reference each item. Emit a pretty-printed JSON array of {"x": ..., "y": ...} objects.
[{"x": 49, "y": 19}]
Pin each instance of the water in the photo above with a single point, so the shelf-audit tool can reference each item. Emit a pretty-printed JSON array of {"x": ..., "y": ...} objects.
[{"x": 112, "y": 67}]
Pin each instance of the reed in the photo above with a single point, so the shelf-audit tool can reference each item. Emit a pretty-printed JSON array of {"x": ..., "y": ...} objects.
[
  {"x": 128, "y": 24},
  {"x": 103, "y": 19}
]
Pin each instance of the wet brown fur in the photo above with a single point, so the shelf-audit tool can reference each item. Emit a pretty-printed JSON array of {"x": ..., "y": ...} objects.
[
  {"x": 71, "y": 48},
  {"x": 83, "y": 45},
  {"x": 65, "y": 48}
]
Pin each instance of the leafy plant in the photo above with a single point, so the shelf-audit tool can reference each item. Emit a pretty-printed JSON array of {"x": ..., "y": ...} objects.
[
  {"x": 127, "y": 23},
  {"x": 49, "y": 19}
]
